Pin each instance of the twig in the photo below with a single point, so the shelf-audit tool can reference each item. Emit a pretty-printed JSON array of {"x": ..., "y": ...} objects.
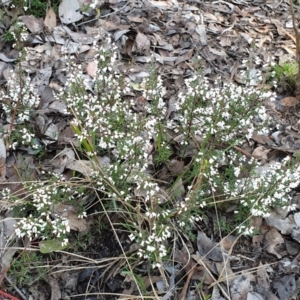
[
  {"x": 9, "y": 296},
  {"x": 246, "y": 153},
  {"x": 104, "y": 16},
  {"x": 15, "y": 288},
  {"x": 182, "y": 295}
]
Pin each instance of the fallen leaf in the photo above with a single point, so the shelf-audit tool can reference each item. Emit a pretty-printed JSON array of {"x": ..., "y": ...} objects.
[
  {"x": 32, "y": 23},
  {"x": 188, "y": 54},
  {"x": 272, "y": 239},
  {"x": 261, "y": 153},
  {"x": 266, "y": 293},
  {"x": 6, "y": 259},
  {"x": 140, "y": 104},
  {"x": 262, "y": 139},
  {"x": 52, "y": 131},
  {"x": 228, "y": 241},
  {"x": 47, "y": 97},
  {"x": 240, "y": 287},
  {"x": 4, "y": 58},
  {"x": 262, "y": 277},
  {"x": 41, "y": 80},
  {"x": 190, "y": 263},
  {"x": 177, "y": 190},
  {"x": 208, "y": 248},
  {"x": 50, "y": 19},
  {"x": 224, "y": 271},
  {"x": 80, "y": 37},
  {"x": 85, "y": 167},
  {"x": 163, "y": 4},
  {"x": 91, "y": 68},
  {"x": 289, "y": 101},
  {"x": 285, "y": 226},
  {"x": 69, "y": 11},
  {"x": 75, "y": 223},
  {"x": 176, "y": 167},
  {"x": 254, "y": 296},
  {"x": 285, "y": 287},
  {"x": 142, "y": 43},
  {"x": 55, "y": 288},
  {"x": 2, "y": 160},
  {"x": 201, "y": 30}
]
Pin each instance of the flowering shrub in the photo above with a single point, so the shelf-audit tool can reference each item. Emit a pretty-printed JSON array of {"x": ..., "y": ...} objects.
[
  {"x": 44, "y": 219},
  {"x": 140, "y": 141}
]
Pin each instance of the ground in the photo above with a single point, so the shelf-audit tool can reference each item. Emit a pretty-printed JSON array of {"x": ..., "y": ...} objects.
[{"x": 98, "y": 252}]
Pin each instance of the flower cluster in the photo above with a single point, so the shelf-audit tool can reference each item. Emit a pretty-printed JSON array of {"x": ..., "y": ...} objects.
[
  {"x": 18, "y": 103},
  {"x": 43, "y": 228},
  {"x": 225, "y": 114},
  {"x": 20, "y": 95},
  {"x": 19, "y": 32},
  {"x": 44, "y": 221},
  {"x": 254, "y": 188},
  {"x": 153, "y": 242}
]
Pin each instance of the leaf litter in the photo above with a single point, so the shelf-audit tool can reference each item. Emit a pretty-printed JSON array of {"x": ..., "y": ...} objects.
[{"x": 181, "y": 36}]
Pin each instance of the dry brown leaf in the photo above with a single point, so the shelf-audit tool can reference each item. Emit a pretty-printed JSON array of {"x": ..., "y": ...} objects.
[
  {"x": 135, "y": 19},
  {"x": 59, "y": 106},
  {"x": 188, "y": 54},
  {"x": 69, "y": 11},
  {"x": 228, "y": 241},
  {"x": 254, "y": 296},
  {"x": 2, "y": 160},
  {"x": 257, "y": 241},
  {"x": 193, "y": 271},
  {"x": 262, "y": 139},
  {"x": 75, "y": 223},
  {"x": 32, "y": 23},
  {"x": 224, "y": 271},
  {"x": 6, "y": 259},
  {"x": 201, "y": 30},
  {"x": 55, "y": 288},
  {"x": 262, "y": 277},
  {"x": 247, "y": 37},
  {"x": 285, "y": 226},
  {"x": 289, "y": 101},
  {"x": 267, "y": 294},
  {"x": 6, "y": 59},
  {"x": 176, "y": 167},
  {"x": 140, "y": 104},
  {"x": 47, "y": 97},
  {"x": 272, "y": 239},
  {"x": 261, "y": 153},
  {"x": 208, "y": 248},
  {"x": 128, "y": 292},
  {"x": 240, "y": 287},
  {"x": 186, "y": 261},
  {"x": 91, "y": 68},
  {"x": 167, "y": 4},
  {"x": 50, "y": 19},
  {"x": 285, "y": 286},
  {"x": 151, "y": 279},
  {"x": 80, "y": 37},
  {"x": 142, "y": 43},
  {"x": 256, "y": 222}
]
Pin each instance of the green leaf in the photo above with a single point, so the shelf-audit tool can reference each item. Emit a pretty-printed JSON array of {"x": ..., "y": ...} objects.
[
  {"x": 49, "y": 246},
  {"x": 138, "y": 86}
]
